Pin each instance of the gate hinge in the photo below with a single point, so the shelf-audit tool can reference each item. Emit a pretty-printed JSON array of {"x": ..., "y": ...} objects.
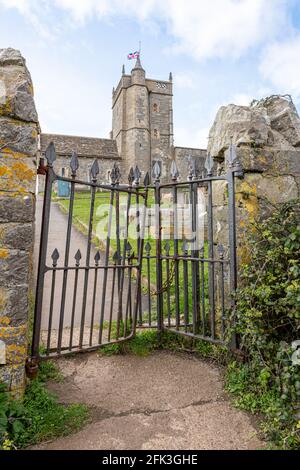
[
  {"x": 32, "y": 367},
  {"x": 42, "y": 168}
]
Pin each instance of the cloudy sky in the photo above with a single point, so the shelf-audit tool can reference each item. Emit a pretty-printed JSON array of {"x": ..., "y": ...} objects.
[{"x": 220, "y": 52}]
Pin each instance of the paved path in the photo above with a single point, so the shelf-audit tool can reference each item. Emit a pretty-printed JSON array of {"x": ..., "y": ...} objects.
[
  {"x": 163, "y": 401},
  {"x": 57, "y": 239}
]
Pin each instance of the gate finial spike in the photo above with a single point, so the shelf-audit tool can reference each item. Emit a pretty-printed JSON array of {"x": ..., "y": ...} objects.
[
  {"x": 77, "y": 257},
  {"x": 97, "y": 258},
  {"x": 74, "y": 163},
  {"x": 55, "y": 256},
  {"x": 156, "y": 171},
  {"x": 148, "y": 248},
  {"x": 137, "y": 176},
  {"x": 117, "y": 173},
  {"x": 147, "y": 179},
  {"x": 50, "y": 154},
  {"x": 209, "y": 164},
  {"x": 130, "y": 176},
  {"x": 95, "y": 170},
  {"x": 174, "y": 171}
]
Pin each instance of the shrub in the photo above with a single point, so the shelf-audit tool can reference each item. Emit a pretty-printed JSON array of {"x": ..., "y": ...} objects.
[{"x": 267, "y": 323}]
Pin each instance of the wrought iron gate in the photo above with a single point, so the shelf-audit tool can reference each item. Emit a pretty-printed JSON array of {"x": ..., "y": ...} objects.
[
  {"x": 181, "y": 280},
  {"x": 88, "y": 299}
]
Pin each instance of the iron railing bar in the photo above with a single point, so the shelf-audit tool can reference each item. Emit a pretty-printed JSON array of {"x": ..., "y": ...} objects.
[
  {"x": 211, "y": 270},
  {"x": 222, "y": 302},
  {"x": 168, "y": 291},
  {"x": 120, "y": 188},
  {"x": 128, "y": 305},
  {"x": 66, "y": 262},
  {"x": 203, "y": 296},
  {"x": 109, "y": 266},
  {"x": 195, "y": 253},
  {"x": 111, "y": 304},
  {"x": 192, "y": 335},
  {"x": 106, "y": 265},
  {"x": 86, "y": 274},
  {"x": 120, "y": 292},
  {"x": 137, "y": 298},
  {"x": 41, "y": 264},
  {"x": 51, "y": 311},
  {"x": 73, "y": 307},
  {"x": 185, "y": 293},
  {"x": 93, "y": 306},
  {"x": 178, "y": 184},
  {"x": 176, "y": 259}
]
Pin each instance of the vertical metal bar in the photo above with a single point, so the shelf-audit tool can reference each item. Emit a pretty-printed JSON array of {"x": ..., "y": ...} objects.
[
  {"x": 50, "y": 178},
  {"x": 120, "y": 287},
  {"x": 78, "y": 257},
  {"x": 138, "y": 228},
  {"x": 137, "y": 298},
  {"x": 185, "y": 290},
  {"x": 128, "y": 312},
  {"x": 222, "y": 300},
  {"x": 94, "y": 299},
  {"x": 201, "y": 254},
  {"x": 159, "y": 303},
  {"x": 149, "y": 289},
  {"x": 86, "y": 273},
  {"x": 106, "y": 259},
  {"x": 167, "y": 249},
  {"x": 65, "y": 273},
  {"x": 176, "y": 262},
  {"x": 211, "y": 267},
  {"x": 51, "y": 309},
  {"x": 195, "y": 254},
  {"x": 232, "y": 242},
  {"x": 116, "y": 260}
]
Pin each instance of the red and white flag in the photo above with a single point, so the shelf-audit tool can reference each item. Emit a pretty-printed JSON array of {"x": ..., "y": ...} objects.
[{"x": 133, "y": 55}]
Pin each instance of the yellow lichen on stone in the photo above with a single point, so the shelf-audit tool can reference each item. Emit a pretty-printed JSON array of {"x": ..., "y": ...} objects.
[
  {"x": 3, "y": 253},
  {"x": 22, "y": 171},
  {"x": 4, "y": 320},
  {"x": 5, "y": 171},
  {"x": 15, "y": 353},
  {"x": 8, "y": 152}
]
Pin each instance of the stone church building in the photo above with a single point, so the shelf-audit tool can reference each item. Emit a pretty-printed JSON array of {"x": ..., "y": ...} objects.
[{"x": 142, "y": 133}]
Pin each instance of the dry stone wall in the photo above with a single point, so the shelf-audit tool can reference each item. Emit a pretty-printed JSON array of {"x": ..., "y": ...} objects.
[
  {"x": 18, "y": 152},
  {"x": 267, "y": 136}
]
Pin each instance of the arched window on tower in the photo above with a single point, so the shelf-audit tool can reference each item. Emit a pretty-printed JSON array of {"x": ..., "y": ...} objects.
[
  {"x": 155, "y": 107},
  {"x": 155, "y": 133}
]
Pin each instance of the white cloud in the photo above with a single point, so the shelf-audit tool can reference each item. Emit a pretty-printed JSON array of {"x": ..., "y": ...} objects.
[
  {"x": 33, "y": 11},
  {"x": 280, "y": 65},
  {"x": 196, "y": 138},
  {"x": 201, "y": 29},
  {"x": 184, "y": 80}
]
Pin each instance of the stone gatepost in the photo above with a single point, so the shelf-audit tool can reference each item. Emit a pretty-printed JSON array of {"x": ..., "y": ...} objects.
[
  {"x": 267, "y": 139},
  {"x": 18, "y": 154}
]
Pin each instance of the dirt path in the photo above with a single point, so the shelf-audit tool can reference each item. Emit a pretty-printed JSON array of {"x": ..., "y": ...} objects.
[{"x": 162, "y": 401}]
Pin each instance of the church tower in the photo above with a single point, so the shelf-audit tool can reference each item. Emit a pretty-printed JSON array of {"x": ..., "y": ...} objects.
[{"x": 142, "y": 122}]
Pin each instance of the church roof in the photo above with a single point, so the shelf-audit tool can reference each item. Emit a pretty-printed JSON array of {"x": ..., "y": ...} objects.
[{"x": 84, "y": 146}]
